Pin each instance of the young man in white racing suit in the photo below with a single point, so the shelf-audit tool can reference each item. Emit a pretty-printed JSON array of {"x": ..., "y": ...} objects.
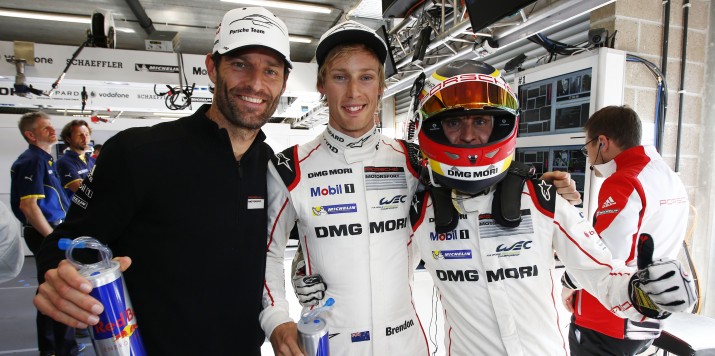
[
  {"x": 493, "y": 262},
  {"x": 349, "y": 192}
]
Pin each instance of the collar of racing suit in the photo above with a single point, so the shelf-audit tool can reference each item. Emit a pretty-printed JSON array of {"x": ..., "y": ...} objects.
[
  {"x": 469, "y": 203},
  {"x": 351, "y": 148},
  {"x": 608, "y": 168}
]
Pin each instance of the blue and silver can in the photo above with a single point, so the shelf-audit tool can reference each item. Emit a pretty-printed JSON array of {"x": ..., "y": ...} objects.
[
  {"x": 314, "y": 337},
  {"x": 117, "y": 332}
]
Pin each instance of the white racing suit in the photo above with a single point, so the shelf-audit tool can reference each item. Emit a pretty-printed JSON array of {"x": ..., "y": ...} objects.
[
  {"x": 497, "y": 284},
  {"x": 350, "y": 199}
]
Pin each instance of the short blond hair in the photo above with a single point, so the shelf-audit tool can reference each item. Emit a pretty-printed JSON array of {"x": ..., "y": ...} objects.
[{"x": 342, "y": 51}]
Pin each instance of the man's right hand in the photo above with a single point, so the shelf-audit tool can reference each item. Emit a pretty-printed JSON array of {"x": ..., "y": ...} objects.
[
  {"x": 65, "y": 297},
  {"x": 284, "y": 340},
  {"x": 309, "y": 290}
]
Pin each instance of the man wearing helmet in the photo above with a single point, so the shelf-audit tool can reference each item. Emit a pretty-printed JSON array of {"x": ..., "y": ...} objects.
[
  {"x": 349, "y": 192},
  {"x": 492, "y": 258}
]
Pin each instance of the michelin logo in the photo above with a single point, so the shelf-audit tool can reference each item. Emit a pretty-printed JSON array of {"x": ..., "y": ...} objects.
[
  {"x": 334, "y": 209},
  {"x": 452, "y": 254}
]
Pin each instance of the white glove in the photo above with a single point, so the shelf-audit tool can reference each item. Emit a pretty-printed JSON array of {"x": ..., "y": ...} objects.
[
  {"x": 662, "y": 288},
  {"x": 309, "y": 290}
]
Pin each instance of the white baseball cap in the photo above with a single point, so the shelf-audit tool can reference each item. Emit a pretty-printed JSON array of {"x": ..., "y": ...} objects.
[
  {"x": 252, "y": 26},
  {"x": 350, "y": 32}
]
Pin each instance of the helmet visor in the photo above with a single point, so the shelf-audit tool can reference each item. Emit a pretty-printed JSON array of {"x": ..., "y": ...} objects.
[{"x": 473, "y": 94}]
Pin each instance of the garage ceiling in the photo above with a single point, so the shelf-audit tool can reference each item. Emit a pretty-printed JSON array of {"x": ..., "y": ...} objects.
[{"x": 195, "y": 22}]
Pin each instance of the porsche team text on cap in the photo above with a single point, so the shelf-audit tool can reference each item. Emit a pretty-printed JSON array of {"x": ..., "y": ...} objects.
[{"x": 252, "y": 26}]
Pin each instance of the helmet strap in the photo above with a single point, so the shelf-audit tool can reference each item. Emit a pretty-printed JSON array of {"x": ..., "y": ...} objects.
[{"x": 432, "y": 181}]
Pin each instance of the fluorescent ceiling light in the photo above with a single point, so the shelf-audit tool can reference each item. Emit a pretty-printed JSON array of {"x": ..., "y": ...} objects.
[
  {"x": 300, "y": 39},
  {"x": 45, "y": 16},
  {"x": 177, "y": 114},
  {"x": 90, "y": 115},
  {"x": 288, "y": 5}
]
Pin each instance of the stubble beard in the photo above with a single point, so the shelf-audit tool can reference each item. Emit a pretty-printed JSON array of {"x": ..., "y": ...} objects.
[{"x": 238, "y": 116}]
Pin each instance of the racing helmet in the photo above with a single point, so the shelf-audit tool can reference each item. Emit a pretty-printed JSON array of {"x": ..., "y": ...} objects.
[{"x": 459, "y": 89}]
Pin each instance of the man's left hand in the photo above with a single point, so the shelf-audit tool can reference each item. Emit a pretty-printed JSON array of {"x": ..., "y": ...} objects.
[{"x": 565, "y": 186}]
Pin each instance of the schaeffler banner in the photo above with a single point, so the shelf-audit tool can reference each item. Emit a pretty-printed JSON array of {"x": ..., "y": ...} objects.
[{"x": 118, "y": 79}]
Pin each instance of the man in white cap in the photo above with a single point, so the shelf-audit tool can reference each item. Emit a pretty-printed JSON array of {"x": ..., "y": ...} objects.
[
  {"x": 185, "y": 201},
  {"x": 349, "y": 191}
]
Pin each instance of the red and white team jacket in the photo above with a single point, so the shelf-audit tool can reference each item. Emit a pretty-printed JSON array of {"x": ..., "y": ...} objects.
[
  {"x": 350, "y": 199},
  {"x": 641, "y": 194},
  {"x": 497, "y": 284}
]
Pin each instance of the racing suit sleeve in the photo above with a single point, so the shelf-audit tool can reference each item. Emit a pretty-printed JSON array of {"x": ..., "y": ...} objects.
[
  {"x": 281, "y": 218},
  {"x": 617, "y": 217},
  {"x": 589, "y": 262}
]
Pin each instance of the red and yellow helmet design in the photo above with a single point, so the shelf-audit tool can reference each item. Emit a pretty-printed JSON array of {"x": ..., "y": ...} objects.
[{"x": 464, "y": 88}]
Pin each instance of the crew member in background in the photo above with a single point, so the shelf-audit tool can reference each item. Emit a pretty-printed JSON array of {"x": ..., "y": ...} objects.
[
  {"x": 97, "y": 150},
  {"x": 199, "y": 254},
  {"x": 76, "y": 163},
  {"x": 640, "y": 194},
  {"x": 40, "y": 203}
]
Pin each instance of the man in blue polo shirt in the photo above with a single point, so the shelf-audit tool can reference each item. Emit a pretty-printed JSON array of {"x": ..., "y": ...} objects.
[
  {"x": 40, "y": 203},
  {"x": 76, "y": 163}
]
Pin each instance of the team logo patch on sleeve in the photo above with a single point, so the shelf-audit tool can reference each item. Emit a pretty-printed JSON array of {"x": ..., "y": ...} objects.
[{"x": 283, "y": 160}]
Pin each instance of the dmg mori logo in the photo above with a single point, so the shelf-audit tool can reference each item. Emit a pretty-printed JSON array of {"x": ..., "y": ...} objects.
[
  {"x": 469, "y": 275},
  {"x": 338, "y": 230}
]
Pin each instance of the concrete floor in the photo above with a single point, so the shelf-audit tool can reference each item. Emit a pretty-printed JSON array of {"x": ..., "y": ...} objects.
[{"x": 18, "y": 335}]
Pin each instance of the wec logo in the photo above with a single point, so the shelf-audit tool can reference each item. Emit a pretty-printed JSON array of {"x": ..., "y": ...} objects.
[
  {"x": 394, "y": 200},
  {"x": 521, "y": 245}
]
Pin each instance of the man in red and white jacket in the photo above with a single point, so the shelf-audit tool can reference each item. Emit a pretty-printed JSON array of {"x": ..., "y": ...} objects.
[{"x": 640, "y": 194}]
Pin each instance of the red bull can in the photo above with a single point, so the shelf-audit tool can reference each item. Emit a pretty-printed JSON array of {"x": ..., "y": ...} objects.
[
  {"x": 117, "y": 332},
  {"x": 313, "y": 336}
]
